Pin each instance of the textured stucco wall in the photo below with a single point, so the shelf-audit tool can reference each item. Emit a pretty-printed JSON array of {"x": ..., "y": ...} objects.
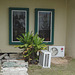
[
  {"x": 59, "y": 23},
  {"x": 70, "y": 45}
]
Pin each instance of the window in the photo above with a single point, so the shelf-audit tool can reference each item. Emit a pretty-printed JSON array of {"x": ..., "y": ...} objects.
[
  {"x": 18, "y": 23},
  {"x": 44, "y": 24}
]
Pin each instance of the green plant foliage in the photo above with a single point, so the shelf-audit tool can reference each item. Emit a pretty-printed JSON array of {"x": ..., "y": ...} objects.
[
  {"x": 26, "y": 38},
  {"x": 31, "y": 44}
]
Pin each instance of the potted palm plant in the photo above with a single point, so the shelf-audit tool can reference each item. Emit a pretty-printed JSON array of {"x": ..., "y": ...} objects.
[{"x": 31, "y": 45}]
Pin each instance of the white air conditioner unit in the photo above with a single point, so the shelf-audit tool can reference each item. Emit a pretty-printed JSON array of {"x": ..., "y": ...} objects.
[
  {"x": 45, "y": 59},
  {"x": 57, "y": 51}
]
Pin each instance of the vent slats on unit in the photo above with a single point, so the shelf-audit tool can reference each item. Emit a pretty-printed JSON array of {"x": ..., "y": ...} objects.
[{"x": 45, "y": 58}]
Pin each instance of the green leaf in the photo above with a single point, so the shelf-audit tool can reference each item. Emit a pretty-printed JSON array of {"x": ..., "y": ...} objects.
[{"x": 26, "y": 45}]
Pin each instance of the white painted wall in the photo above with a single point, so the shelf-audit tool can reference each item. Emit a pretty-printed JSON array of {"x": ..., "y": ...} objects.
[{"x": 59, "y": 23}]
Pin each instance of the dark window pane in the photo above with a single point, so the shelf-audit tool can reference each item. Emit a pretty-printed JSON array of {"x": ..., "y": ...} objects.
[
  {"x": 18, "y": 24},
  {"x": 45, "y": 25}
]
